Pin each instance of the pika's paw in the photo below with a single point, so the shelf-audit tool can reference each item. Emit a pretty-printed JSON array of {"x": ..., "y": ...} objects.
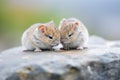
[
  {"x": 37, "y": 50},
  {"x": 82, "y": 48}
]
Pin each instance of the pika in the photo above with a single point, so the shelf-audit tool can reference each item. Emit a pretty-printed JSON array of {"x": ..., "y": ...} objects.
[
  {"x": 74, "y": 34},
  {"x": 41, "y": 36}
]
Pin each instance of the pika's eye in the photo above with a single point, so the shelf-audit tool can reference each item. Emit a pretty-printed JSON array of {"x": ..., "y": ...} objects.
[
  {"x": 50, "y": 37},
  {"x": 70, "y": 34}
]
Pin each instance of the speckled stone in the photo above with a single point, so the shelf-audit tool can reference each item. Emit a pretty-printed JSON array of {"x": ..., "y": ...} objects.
[{"x": 101, "y": 61}]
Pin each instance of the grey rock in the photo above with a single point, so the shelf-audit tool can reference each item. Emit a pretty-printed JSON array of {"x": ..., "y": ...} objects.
[{"x": 101, "y": 61}]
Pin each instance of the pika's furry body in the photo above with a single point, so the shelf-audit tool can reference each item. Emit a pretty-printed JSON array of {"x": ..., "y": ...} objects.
[
  {"x": 74, "y": 34},
  {"x": 41, "y": 36}
]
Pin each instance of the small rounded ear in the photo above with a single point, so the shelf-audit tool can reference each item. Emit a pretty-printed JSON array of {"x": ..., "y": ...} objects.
[
  {"x": 51, "y": 23},
  {"x": 42, "y": 28},
  {"x": 63, "y": 21},
  {"x": 76, "y": 24}
]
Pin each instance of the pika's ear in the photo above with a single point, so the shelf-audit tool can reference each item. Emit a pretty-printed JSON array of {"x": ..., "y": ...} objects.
[
  {"x": 76, "y": 24},
  {"x": 63, "y": 21},
  {"x": 51, "y": 23},
  {"x": 42, "y": 28}
]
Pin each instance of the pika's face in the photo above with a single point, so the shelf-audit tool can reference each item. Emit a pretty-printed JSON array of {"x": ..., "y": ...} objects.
[
  {"x": 50, "y": 35},
  {"x": 68, "y": 32}
]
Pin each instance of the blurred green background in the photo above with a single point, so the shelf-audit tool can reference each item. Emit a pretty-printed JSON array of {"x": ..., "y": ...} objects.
[{"x": 101, "y": 17}]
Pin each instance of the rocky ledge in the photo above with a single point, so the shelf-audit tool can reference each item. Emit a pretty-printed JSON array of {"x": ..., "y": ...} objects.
[{"x": 100, "y": 62}]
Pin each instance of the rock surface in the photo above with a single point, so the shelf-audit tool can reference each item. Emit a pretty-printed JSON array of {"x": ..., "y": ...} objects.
[{"x": 100, "y": 62}]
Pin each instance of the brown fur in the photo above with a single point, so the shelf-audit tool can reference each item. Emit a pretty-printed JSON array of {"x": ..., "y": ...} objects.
[
  {"x": 67, "y": 28},
  {"x": 41, "y": 36},
  {"x": 79, "y": 33},
  {"x": 50, "y": 31}
]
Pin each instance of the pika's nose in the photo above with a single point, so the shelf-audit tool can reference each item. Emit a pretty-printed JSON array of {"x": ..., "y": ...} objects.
[
  {"x": 57, "y": 44},
  {"x": 52, "y": 45},
  {"x": 62, "y": 41}
]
